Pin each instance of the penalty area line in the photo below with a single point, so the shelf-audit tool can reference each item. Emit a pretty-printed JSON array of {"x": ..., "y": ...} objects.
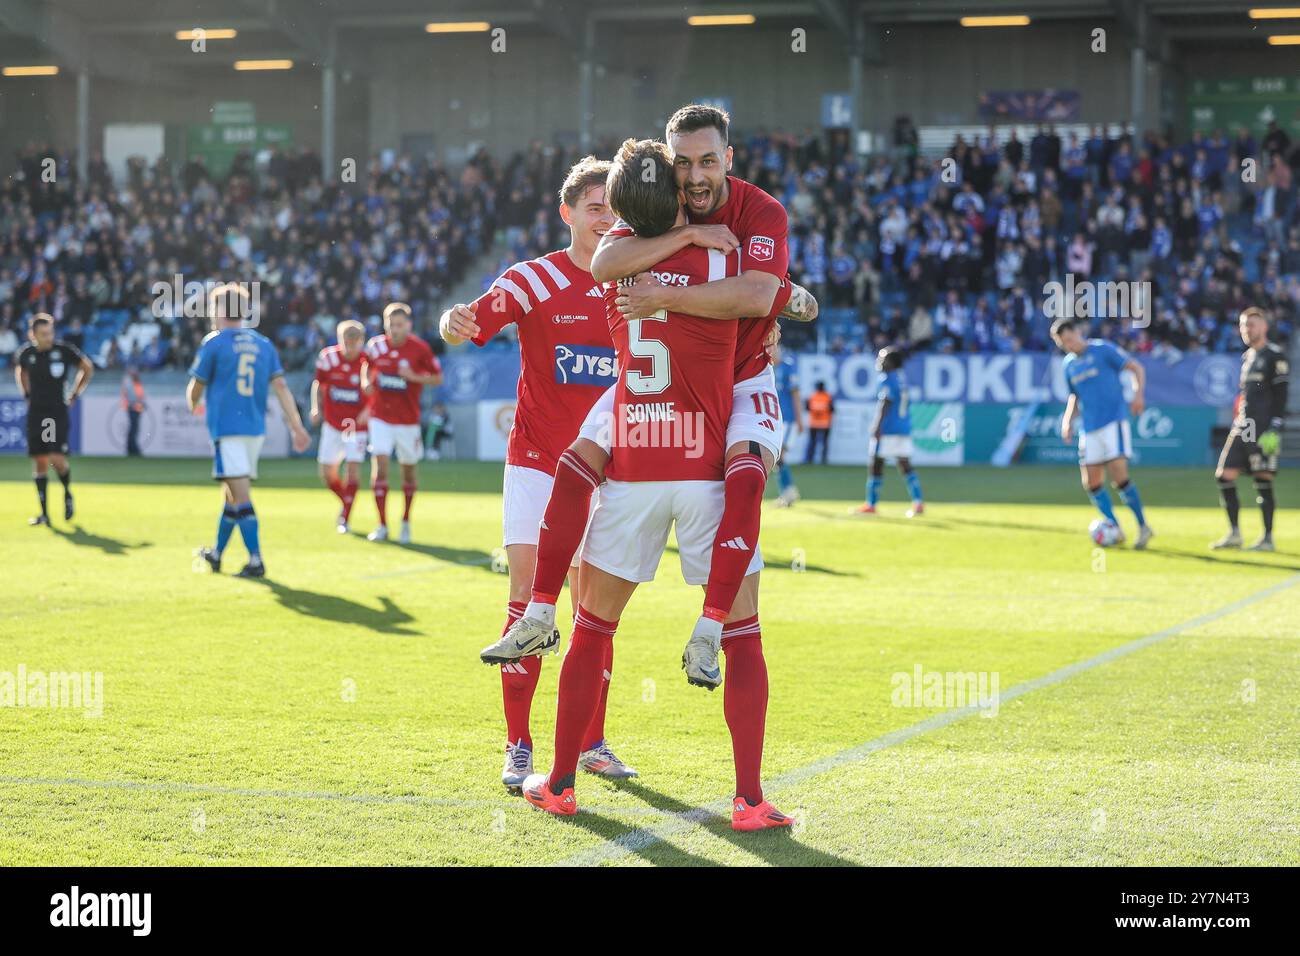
[{"x": 634, "y": 841}]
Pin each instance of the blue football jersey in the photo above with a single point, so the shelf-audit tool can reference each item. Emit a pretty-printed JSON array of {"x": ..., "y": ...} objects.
[
  {"x": 1094, "y": 377},
  {"x": 237, "y": 366},
  {"x": 898, "y": 417},
  {"x": 784, "y": 371}
]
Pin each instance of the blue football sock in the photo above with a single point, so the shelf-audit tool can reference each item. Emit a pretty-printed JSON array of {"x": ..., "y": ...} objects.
[
  {"x": 226, "y": 527},
  {"x": 914, "y": 485},
  {"x": 248, "y": 528},
  {"x": 1101, "y": 498},
  {"x": 873, "y": 490},
  {"x": 1129, "y": 493},
  {"x": 784, "y": 478}
]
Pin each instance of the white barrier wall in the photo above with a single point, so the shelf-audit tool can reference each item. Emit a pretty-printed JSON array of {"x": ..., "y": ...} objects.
[{"x": 167, "y": 429}]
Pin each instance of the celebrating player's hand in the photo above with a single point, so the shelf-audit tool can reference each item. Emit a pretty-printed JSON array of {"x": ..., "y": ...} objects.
[
  {"x": 1137, "y": 405},
  {"x": 770, "y": 344},
  {"x": 640, "y": 298},
  {"x": 459, "y": 322},
  {"x": 802, "y": 306},
  {"x": 301, "y": 440},
  {"x": 714, "y": 237},
  {"x": 315, "y": 417}
]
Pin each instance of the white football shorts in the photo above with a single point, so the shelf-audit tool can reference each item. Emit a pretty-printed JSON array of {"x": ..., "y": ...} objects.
[
  {"x": 235, "y": 456},
  {"x": 386, "y": 438},
  {"x": 336, "y": 446}
]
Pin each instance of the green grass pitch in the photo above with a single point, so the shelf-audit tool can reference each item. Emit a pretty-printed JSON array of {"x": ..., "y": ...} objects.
[{"x": 337, "y": 713}]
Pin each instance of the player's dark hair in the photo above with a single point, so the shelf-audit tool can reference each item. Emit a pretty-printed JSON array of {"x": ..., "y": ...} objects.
[
  {"x": 1063, "y": 325},
  {"x": 697, "y": 116},
  {"x": 38, "y": 320},
  {"x": 890, "y": 358},
  {"x": 641, "y": 188},
  {"x": 585, "y": 173}
]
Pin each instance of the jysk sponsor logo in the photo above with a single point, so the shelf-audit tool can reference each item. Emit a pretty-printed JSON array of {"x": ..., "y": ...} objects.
[
  {"x": 393, "y": 383},
  {"x": 584, "y": 365},
  {"x": 346, "y": 396}
]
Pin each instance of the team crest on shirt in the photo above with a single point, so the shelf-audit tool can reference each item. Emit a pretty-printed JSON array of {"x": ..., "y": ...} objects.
[
  {"x": 585, "y": 365},
  {"x": 761, "y": 247}
]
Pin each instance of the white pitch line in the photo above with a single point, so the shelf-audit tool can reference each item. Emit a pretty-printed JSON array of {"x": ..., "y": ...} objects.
[
  {"x": 639, "y": 839},
  {"x": 201, "y": 789}
]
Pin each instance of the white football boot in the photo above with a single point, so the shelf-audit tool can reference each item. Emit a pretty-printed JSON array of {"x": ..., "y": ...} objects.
[
  {"x": 534, "y": 633},
  {"x": 700, "y": 658},
  {"x": 404, "y": 536},
  {"x": 601, "y": 761},
  {"x": 379, "y": 534},
  {"x": 518, "y": 765}
]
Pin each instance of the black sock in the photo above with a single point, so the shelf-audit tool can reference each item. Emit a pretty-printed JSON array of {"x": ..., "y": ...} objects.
[
  {"x": 42, "y": 482},
  {"x": 1266, "y": 504},
  {"x": 66, "y": 478},
  {"x": 562, "y": 784},
  {"x": 1231, "y": 503}
]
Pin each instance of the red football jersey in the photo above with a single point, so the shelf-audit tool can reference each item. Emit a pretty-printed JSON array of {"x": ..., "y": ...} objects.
[
  {"x": 761, "y": 225},
  {"x": 565, "y": 352},
  {"x": 340, "y": 386},
  {"x": 394, "y": 399},
  {"x": 675, "y": 375}
]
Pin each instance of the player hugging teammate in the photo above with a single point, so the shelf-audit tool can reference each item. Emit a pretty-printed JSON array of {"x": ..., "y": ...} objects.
[{"x": 1254, "y": 444}]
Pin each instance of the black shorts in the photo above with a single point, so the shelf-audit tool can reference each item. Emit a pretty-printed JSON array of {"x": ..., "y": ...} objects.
[
  {"x": 47, "y": 430},
  {"x": 1245, "y": 455}
]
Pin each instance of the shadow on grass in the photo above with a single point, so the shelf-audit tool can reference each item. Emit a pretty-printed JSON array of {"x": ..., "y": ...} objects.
[
  {"x": 83, "y": 538},
  {"x": 774, "y": 847},
  {"x": 469, "y": 557},
  {"x": 386, "y": 619}
]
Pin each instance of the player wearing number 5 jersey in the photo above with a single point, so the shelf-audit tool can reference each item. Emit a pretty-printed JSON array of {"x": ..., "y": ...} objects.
[
  {"x": 236, "y": 368},
  {"x": 668, "y": 435}
]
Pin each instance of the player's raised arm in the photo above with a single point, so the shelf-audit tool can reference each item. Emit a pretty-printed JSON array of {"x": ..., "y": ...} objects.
[
  {"x": 802, "y": 306},
  {"x": 620, "y": 254}
]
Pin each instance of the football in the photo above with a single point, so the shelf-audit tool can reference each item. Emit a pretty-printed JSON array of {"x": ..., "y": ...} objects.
[{"x": 1103, "y": 532}]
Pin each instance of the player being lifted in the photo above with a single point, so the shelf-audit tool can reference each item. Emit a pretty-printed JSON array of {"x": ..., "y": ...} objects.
[
  {"x": 398, "y": 366},
  {"x": 1255, "y": 440},
  {"x": 567, "y": 360},
  {"x": 891, "y": 432},
  {"x": 337, "y": 406},
  {"x": 1092, "y": 370},
  {"x": 237, "y": 366},
  {"x": 670, "y": 409},
  {"x": 42, "y": 369},
  {"x": 721, "y": 207}
]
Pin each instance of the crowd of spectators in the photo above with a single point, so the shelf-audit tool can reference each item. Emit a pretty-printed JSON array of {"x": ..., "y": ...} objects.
[
  {"x": 92, "y": 253},
  {"x": 954, "y": 253},
  {"x": 951, "y": 253}
]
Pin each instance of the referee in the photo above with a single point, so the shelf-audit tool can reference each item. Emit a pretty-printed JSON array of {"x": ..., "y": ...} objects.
[
  {"x": 43, "y": 369},
  {"x": 1255, "y": 440}
]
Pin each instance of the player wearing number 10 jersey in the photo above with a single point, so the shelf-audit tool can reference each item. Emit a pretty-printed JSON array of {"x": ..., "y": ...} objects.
[
  {"x": 237, "y": 367},
  {"x": 670, "y": 411}
]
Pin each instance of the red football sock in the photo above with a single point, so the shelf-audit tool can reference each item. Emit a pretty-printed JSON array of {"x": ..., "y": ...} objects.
[
  {"x": 349, "y": 496},
  {"x": 381, "y": 501},
  {"x": 563, "y": 523},
  {"x": 737, "y": 537},
  {"x": 596, "y": 732},
  {"x": 518, "y": 683},
  {"x": 409, "y": 492},
  {"x": 337, "y": 487},
  {"x": 580, "y": 686},
  {"x": 744, "y": 702}
]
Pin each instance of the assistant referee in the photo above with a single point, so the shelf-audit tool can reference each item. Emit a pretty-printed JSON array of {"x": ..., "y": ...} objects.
[{"x": 43, "y": 368}]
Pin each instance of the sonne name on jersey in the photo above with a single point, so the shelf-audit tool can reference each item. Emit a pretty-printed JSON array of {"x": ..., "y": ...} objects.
[{"x": 650, "y": 412}]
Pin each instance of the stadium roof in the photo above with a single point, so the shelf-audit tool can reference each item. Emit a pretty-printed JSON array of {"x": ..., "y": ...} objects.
[{"x": 135, "y": 40}]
